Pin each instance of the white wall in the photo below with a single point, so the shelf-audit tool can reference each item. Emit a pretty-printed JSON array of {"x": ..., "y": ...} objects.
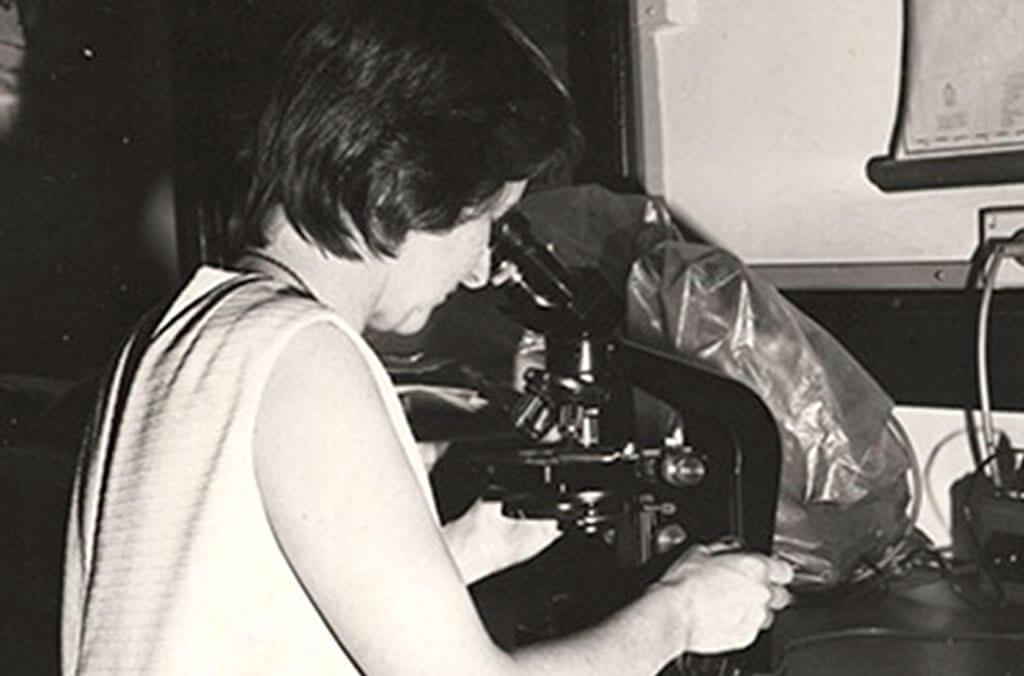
[{"x": 757, "y": 118}]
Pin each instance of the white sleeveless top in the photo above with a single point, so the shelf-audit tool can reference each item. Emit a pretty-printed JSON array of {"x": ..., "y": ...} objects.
[{"x": 171, "y": 566}]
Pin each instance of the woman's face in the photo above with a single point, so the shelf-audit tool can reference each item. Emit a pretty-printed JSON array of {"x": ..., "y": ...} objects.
[{"x": 430, "y": 266}]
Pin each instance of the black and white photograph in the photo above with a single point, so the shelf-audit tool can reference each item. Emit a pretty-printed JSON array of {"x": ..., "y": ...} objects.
[{"x": 512, "y": 337}]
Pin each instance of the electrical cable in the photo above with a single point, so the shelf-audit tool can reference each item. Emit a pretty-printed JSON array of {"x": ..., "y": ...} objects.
[
  {"x": 985, "y": 563},
  {"x": 944, "y": 568},
  {"x": 917, "y": 477},
  {"x": 896, "y": 551},
  {"x": 952, "y": 577},
  {"x": 941, "y": 445},
  {"x": 992, "y": 264},
  {"x": 899, "y": 561}
]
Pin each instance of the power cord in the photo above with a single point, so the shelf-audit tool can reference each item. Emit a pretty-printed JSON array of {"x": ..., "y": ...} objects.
[
  {"x": 878, "y": 568},
  {"x": 914, "y": 552},
  {"x": 919, "y": 563},
  {"x": 991, "y": 271},
  {"x": 997, "y": 251},
  {"x": 986, "y": 565}
]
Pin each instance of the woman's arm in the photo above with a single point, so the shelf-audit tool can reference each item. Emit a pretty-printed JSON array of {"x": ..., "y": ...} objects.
[
  {"x": 483, "y": 540},
  {"x": 355, "y": 526}
]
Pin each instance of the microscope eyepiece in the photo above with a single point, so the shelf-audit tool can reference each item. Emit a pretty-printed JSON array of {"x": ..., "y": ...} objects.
[{"x": 537, "y": 271}]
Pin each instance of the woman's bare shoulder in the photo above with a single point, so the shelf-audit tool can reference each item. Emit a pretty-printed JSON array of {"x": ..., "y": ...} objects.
[
  {"x": 321, "y": 404},
  {"x": 322, "y": 352},
  {"x": 323, "y": 429}
]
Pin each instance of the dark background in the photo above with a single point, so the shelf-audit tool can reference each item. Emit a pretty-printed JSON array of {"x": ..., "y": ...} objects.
[
  {"x": 78, "y": 180},
  {"x": 86, "y": 240}
]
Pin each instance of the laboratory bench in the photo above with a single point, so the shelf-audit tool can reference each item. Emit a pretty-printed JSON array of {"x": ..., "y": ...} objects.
[{"x": 926, "y": 623}]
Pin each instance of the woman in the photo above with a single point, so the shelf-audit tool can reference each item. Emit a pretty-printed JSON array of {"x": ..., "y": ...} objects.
[{"x": 250, "y": 500}]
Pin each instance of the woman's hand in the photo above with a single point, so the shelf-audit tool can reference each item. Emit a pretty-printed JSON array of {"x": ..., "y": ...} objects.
[
  {"x": 484, "y": 541},
  {"x": 725, "y": 599}
]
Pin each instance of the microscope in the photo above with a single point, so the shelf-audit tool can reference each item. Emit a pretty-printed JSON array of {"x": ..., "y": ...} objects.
[{"x": 624, "y": 491}]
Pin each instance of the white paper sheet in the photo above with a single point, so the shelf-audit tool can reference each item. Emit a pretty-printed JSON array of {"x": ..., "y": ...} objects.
[{"x": 964, "y": 86}]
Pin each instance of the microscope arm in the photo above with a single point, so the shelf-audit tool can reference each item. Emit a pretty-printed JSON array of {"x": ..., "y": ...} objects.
[{"x": 756, "y": 455}]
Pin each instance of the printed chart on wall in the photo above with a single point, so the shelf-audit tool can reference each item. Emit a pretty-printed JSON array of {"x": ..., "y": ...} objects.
[{"x": 964, "y": 79}]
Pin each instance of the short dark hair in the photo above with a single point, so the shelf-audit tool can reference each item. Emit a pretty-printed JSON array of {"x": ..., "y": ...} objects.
[{"x": 396, "y": 115}]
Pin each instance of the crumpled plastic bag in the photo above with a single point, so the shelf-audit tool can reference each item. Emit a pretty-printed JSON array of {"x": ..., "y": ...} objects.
[{"x": 844, "y": 492}]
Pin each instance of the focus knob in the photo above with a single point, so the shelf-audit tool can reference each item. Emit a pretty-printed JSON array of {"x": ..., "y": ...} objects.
[
  {"x": 669, "y": 537},
  {"x": 683, "y": 469}
]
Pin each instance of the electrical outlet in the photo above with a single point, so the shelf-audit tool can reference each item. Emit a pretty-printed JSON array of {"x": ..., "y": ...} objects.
[
  {"x": 1004, "y": 223},
  {"x": 1001, "y": 222}
]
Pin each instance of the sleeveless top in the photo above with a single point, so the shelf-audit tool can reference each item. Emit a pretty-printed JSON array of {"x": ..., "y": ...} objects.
[{"x": 171, "y": 566}]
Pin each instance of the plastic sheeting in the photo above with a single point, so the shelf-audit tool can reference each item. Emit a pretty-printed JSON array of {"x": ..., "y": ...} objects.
[{"x": 844, "y": 490}]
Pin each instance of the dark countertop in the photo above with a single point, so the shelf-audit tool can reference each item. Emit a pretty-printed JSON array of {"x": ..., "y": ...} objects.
[{"x": 924, "y": 623}]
